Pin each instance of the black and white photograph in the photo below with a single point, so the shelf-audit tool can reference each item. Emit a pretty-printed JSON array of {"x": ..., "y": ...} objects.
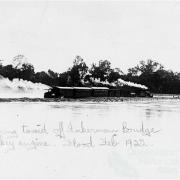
[{"x": 90, "y": 89}]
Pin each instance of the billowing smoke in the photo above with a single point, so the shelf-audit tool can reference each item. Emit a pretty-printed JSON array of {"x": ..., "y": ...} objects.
[
  {"x": 21, "y": 88},
  {"x": 119, "y": 82},
  {"x": 97, "y": 81}
]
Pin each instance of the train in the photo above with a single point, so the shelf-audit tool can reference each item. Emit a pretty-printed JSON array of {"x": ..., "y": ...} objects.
[{"x": 84, "y": 92}]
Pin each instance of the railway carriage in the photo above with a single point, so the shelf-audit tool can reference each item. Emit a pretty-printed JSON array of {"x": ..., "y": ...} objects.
[
  {"x": 100, "y": 91},
  {"x": 83, "y": 92}
]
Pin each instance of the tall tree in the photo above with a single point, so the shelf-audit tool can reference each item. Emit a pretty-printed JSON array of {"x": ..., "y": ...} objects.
[
  {"x": 101, "y": 71},
  {"x": 27, "y": 71},
  {"x": 114, "y": 75},
  {"x": 145, "y": 67},
  {"x": 78, "y": 71}
]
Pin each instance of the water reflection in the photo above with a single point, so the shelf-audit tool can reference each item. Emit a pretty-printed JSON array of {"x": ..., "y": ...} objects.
[{"x": 147, "y": 110}]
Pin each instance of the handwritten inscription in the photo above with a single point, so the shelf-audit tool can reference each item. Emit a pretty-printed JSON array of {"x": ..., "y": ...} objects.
[
  {"x": 33, "y": 144},
  {"x": 77, "y": 135},
  {"x": 144, "y": 131},
  {"x": 38, "y": 129},
  {"x": 112, "y": 141}
]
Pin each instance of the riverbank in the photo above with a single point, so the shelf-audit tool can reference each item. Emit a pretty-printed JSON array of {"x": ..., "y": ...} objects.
[{"x": 91, "y": 99}]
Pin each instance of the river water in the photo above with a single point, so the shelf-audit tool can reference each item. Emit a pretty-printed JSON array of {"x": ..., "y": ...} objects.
[{"x": 128, "y": 139}]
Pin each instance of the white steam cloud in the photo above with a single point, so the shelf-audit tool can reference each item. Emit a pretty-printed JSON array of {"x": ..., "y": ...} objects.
[
  {"x": 21, "y": 88},
  {"x": 119, "y": 82}
]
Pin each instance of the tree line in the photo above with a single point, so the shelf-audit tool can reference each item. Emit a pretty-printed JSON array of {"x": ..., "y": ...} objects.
[{"x": 149, "y": 73}]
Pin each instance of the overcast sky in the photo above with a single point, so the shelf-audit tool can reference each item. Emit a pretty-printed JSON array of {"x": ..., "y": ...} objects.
[{"x": 51, "y": 34}]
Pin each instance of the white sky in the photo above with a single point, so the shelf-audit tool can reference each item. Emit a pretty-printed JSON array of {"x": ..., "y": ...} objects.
[{"x": 51, "y": 34}]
